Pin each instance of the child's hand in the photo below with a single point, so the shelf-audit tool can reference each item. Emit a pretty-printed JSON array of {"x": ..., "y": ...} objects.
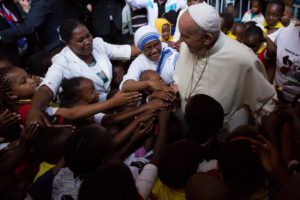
[
  {"x": 143, "y": 130},
  {"x": 146, "y": 116},
  {"x": 158, "y": 86},
  {"x": 166, "y": 96},
  {"x": 8, "y": 118},
  {"x": 156, "y": 104},
  {"x": 122, "y": 98},
  {"x": 164, "y": 117},
  {"x": 271, "y": 122},
  {"x": 29, "y": 133},
  {"x": 39, "y": 117},
  {"x": 268, "y": 154}
]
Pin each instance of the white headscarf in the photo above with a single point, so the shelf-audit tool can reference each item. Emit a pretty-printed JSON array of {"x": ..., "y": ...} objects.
[{"x": 144, "y": 35}]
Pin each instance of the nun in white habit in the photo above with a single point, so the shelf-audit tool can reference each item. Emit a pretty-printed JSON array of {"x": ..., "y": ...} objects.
[{"x": 156, "y": 56}]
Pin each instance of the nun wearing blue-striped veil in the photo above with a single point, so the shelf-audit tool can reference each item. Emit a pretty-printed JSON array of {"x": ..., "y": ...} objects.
[{"x": 156, "y": 56}]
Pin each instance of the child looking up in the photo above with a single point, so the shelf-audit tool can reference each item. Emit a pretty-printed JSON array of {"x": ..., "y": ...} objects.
[
  {"x": 264, "y": 48},
  {"x": 287, "y": 15},
  {"x": 164, "y": 28},
  {"x": 254, "y": 13},
  {"x": 18, "y": 88},
  {"x": 272, "y": 25}
]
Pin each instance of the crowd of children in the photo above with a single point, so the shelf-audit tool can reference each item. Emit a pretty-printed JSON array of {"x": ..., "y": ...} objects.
[{"x": 123, "y": 137}]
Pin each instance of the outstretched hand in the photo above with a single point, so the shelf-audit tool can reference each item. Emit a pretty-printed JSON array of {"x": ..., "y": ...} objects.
[
  {"x": 267, "y": 153},
  {"x": 123, "y": 98},
  {"x": 8, "y": 118},
  {"x": 29, "y": 133}
]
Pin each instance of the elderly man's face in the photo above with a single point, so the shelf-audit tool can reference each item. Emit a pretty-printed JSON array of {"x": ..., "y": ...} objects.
[{"x": 191, "y": 35}]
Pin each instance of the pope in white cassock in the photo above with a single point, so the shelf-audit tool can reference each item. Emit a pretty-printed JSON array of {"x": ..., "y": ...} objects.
[{"x": 213, "y": 64}]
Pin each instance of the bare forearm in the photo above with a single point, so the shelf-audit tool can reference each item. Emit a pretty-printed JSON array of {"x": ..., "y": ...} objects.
[
  {"x": 160, "y": 143},
  {"x": 125, "y": 133},
  {"x": 42, "y": 98},
  {"x": 15, "y": 151},
  {"x": 83, "y": 111},
  {"x": 132, "y": 86},
  {"x": 280, "y": 175},
  {"x": 118, "y": 117},
  {"x": 271, "y": 48},
  {"x": 134, "y": 51}
]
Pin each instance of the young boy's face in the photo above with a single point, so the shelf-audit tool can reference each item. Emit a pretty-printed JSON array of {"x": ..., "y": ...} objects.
[
  {"x": 192, "y": 2},
  {"x": 273, "y": 14},
  {"x": 238, "y": 31},
  {"x": 287, "y": 15},
  {"x": 255, "y": 7},
  {"x": 88, "y": 92},
  {"x": 166, "y": 31}
]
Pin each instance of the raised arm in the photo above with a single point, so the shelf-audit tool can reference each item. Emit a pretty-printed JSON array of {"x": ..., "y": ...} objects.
[
  {"x": 136, "y": 131},
  {"x": 132, "y": 85},
  {"x": 118, "y": 117},
  {"x": 271, "y": 48},
  {"x": 35, "y": 18},
  {"x": 40, "y": 101},
  {"x": 83, "y": 111}
]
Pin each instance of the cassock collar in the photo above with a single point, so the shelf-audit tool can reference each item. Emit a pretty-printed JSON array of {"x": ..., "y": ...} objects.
[{"x": 218, "y": 45}]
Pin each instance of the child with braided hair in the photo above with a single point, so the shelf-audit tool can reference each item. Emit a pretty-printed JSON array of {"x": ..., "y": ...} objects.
[{"x": 17, "y": 88}]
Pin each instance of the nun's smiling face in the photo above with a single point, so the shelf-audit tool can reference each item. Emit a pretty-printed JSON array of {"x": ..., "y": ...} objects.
[{"x": 152, "y": 50}]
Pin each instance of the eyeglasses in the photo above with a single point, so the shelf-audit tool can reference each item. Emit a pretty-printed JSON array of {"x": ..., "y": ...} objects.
[{"x": 148, "y": 49}]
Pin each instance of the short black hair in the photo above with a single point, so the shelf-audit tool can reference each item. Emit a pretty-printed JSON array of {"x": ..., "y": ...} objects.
[
  {"x": 38, "y": 63},
  {"x": 178, "y": 162},
  {"x": 49, "y": 144},
  {"x": 87, "y": 148},
  {"x": 70, "y": 91},
  {"x": 254, "y": 31},
  {"x": 249, "y": 24},
  {"x": 5, "y": 88},
  {"x": 241, "y": 168},
  {"x": 279, "y": 3},
  {"x": 204, "y": 117},
  {"x": 112, "y": 181},
  {"x": 67, "y": 27},
  {"x": 228, "y": 20}
]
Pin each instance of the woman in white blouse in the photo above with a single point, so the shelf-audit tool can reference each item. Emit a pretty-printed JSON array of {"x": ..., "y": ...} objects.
[{"x": 82, "y": 56}]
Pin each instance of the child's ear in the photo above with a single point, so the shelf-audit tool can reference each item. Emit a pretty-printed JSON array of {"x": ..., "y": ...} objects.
[{"x": 12, "y": 96}]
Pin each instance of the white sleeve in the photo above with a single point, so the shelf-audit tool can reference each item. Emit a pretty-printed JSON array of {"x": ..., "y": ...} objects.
[
  {"x": 137, "y": 4},
  {"x": 145, "y": 181},
  {"x": 98, "y": 118},
  {"x": 134, "y": 71},
  {"x": 180, "y": 4},
  {"x": 51, "y": 110},
  {"x": 54, "y": 75},
  {"x": 114, "y": 52},
  {"x": 245, "y": 18}
]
